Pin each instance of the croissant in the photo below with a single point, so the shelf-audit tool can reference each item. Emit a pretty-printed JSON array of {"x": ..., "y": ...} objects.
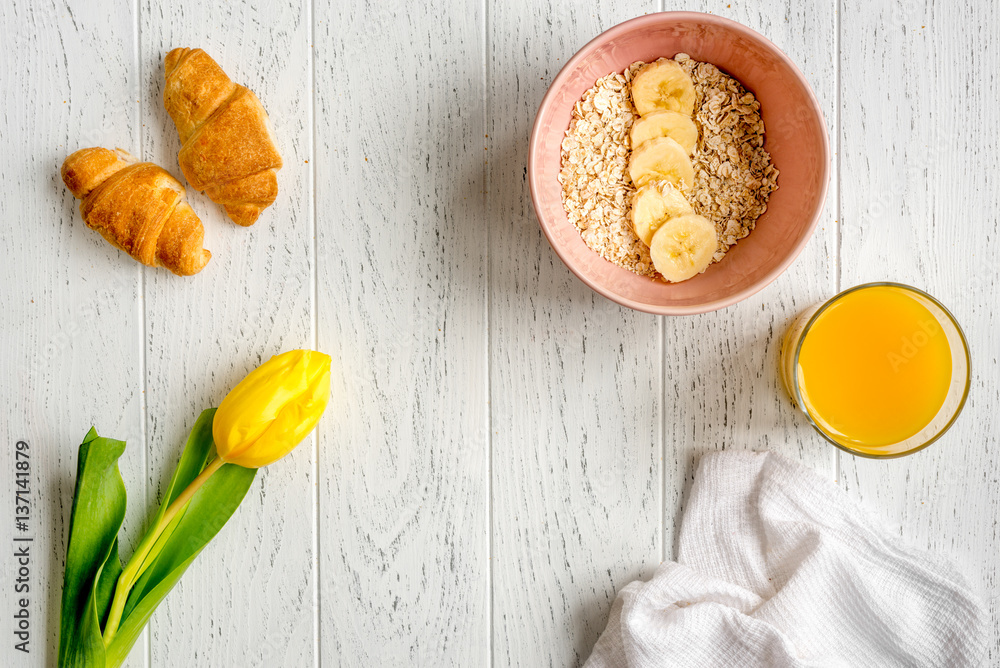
[
  {"x": 138, "y": 207},
  {"x": 227, "y": 149}
]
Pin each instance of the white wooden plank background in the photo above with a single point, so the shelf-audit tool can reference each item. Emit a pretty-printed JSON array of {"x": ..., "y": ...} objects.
[
  {"x": 926, "y": 203},
  {"x": 504, "y": 449},
  {"x": 253, "y": 300},
  {"x": 404, "y": 454},
  {"x": 575, "y": 391}
]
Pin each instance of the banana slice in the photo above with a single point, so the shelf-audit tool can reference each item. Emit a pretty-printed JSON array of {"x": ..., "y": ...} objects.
[
  {"x": 662, "y": 85},
  {"x": 654, "y": 204},
  {"x": 683, "y": 247},
  {"x": 660, "y": 159},
  {"x": 671, "y": 124}
]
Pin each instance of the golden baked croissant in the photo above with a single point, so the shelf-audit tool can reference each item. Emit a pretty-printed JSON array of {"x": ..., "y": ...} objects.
[
  {"x": 138, "y": 207},
  {"x": 227, "y": 149}
]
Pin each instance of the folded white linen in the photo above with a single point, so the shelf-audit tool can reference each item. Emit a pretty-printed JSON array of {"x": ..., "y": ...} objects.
[{"x": 779, "y": 567}]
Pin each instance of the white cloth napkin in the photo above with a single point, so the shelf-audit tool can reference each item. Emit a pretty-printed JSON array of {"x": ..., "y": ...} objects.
[{"x": 778, "y": 567}]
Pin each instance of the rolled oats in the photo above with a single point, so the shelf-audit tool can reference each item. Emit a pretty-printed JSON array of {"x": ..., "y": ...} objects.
[{"x": 733, "y": 180}]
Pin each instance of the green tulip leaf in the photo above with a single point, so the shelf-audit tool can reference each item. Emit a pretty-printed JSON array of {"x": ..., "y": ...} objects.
[
  {"x": 106, "y": 584},
  {"x": 187, "y": 534},
  {"x": 92, "y": 564},
  {"x": 132, "y": 625},
  {"x": 210, "y": 508},
  {"x": 196, "y": 454},
  {"x": 93, "y": 567}
]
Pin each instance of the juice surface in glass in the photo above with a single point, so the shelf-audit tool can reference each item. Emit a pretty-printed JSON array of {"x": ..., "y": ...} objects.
[{"x": 875, "y": 368}]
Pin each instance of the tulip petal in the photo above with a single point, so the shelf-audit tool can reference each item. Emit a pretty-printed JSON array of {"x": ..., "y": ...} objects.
[{"x": 270, "y": 411}]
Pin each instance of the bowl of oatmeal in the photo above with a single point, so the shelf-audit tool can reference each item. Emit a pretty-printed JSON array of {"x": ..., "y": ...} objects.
[{"x": 728, "y": 136}]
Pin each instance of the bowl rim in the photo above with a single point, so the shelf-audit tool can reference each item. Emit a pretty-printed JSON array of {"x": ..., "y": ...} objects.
[{"x": 624, "y": 28}]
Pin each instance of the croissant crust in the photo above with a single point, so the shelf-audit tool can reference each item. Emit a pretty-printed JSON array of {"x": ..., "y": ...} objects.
[
  {"x": 227, "y": 148},
  {"x": 138, "y": 207}
]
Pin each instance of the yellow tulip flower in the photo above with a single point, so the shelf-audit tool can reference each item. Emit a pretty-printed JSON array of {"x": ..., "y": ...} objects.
[{"x": 270, "y": 411}]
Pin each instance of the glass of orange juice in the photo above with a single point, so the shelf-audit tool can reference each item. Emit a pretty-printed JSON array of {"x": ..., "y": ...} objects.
[{"x": 881, "y": 370}]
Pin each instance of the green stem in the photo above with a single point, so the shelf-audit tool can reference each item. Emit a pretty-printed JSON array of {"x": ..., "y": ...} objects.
[{"x": 136, "y": 565}]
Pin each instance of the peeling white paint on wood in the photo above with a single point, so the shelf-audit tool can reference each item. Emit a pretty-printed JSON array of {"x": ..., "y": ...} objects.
[{"x": 919, "y": 206}]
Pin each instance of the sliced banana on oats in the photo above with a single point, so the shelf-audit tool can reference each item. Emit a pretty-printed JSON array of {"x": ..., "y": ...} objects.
[
  {"x": 653, "y": 205},
  {"x": 683, "y": 247},
  {"x": 661, "y": 159},
  {"x": 671, "y": 124},
  {"x": 662, "y": 85}
]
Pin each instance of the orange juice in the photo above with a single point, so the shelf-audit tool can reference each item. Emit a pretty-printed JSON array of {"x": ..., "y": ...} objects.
[{"x": 874, "y": 368}]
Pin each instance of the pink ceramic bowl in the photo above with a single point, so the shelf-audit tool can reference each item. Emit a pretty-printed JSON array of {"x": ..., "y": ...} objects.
[{"x": 795, "y": 136}]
